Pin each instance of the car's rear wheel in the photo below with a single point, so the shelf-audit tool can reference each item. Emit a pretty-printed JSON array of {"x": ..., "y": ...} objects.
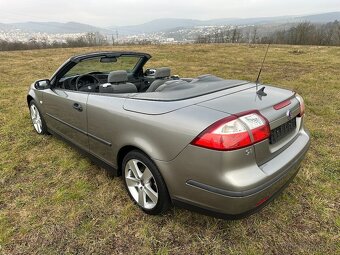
[
  {"x": 37, "y": 120},
  {"x": 144, "y": 183}
]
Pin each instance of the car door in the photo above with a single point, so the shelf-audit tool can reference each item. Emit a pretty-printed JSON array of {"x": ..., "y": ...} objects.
[
  {"x": 105, "y": 125},
  {"x": 66, "y": 114}
]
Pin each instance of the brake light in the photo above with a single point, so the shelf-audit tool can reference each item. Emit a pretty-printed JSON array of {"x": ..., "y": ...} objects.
[
  {"x": 234, "y": 132},
  {"x": 302, "y": 105}
]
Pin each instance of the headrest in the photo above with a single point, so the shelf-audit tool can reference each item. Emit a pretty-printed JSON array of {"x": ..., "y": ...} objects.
[
  {"x": 117, "y": 76},
  {"x": 120, "y": 88},
  {"x": 162, "y": 72}
]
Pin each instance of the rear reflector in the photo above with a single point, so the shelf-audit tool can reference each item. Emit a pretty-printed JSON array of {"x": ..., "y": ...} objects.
[
  {"x": 262, "y": 201},
  {"x": 282, "y": 104},
  {"x": 234, "y": 132}
]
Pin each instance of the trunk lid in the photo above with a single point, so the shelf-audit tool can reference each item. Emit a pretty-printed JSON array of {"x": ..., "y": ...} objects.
[{"x": 284, "y": 123}]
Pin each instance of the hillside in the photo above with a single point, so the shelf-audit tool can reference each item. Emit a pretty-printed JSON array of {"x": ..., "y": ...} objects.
[
  {"x": 162, "y": 25},
  {"x": 53, "y": 27}
]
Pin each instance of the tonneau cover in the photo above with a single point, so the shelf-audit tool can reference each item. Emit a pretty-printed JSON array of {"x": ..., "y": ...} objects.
[{"x": 181, "y": 90}]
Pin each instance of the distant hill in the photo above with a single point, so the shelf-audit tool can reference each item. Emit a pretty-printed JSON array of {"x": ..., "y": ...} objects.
[
  {"x": 161, "y": 25},
  {"x": 157, "y": 26},
  {"x": 6, "y": 27},
  {"x": 320, "y": 18},
  {"x": 53, "y": 27}
]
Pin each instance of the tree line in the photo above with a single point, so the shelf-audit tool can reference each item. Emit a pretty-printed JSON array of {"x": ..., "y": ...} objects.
[
  {"x": 304, "y": 33},
  {"x": 87, "y": 40}
]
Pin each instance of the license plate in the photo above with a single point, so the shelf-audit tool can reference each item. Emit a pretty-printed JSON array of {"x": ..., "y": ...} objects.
[{"x": 281, "y": 131}]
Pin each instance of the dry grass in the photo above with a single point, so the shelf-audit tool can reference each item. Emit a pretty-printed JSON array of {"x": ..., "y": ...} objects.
[{"x": 53, "y": 200}]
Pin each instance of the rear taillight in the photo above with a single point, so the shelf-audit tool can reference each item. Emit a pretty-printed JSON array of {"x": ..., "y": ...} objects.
[
  {"x": 302, "y": 105},
  {"x": 234, "y": 132}
]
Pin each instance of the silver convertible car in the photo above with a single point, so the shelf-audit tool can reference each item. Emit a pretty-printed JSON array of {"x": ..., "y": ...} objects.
[{"x": 221, "y": 147}]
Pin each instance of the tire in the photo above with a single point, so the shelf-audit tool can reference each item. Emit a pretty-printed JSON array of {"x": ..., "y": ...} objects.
[
  {"x": 38, "y": 121},
  {"x": 144, "y": 183}
]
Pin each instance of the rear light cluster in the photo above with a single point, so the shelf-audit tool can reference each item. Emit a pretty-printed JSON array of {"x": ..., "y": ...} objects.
[
  {"x": 302, "y": 105},
  {"x": 234, "y": 132}
]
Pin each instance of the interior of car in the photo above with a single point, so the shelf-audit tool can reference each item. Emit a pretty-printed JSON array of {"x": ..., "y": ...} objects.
[{"x": 119, "y": 75}]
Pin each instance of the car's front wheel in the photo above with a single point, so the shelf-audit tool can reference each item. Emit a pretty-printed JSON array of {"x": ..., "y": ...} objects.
[
  {"x": 37, "y": 120},
  {"x": 144, "y": 183}
]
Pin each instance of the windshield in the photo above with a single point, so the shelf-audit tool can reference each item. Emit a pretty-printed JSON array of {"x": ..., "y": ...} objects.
[{"x": 127, "y": 63}]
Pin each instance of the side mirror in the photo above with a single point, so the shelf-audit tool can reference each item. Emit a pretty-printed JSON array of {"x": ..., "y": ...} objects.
[{"x": 42, "y": 84}]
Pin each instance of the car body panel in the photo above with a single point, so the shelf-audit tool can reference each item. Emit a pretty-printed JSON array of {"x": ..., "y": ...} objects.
[
  {"x": 63, "y": 118},
  {"x": 156, "y": 135},
  {"x": 247, "y": 100},
  {"x": 235, "y": 187}
]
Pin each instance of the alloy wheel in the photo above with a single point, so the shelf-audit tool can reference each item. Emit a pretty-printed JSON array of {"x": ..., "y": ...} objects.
[
  {"x": 36, "y": 119},
  {"x": 141, "y": 184}
]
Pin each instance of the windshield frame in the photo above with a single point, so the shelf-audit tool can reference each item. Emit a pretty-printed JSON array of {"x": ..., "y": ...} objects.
[
  {"x": 69, "y": 73},
  {"x": 71, "y": 62}
]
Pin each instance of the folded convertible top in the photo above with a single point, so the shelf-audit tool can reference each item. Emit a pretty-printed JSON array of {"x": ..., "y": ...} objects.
[{"x": 181, "y": 90}]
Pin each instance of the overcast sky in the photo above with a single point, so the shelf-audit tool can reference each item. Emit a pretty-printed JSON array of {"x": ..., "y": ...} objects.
[{"x": 130, "y": 12}]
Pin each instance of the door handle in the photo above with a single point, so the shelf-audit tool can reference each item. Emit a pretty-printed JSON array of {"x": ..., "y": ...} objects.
[{"x": 78, "y": 107}]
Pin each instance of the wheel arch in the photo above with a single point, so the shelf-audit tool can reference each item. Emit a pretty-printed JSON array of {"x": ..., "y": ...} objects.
[
  {"x": 122, "y": 153},
  {"x": 29, "y": 99}
]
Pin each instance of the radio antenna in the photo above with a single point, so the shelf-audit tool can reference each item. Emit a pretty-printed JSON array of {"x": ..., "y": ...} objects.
[{"x": 258, "y": 76}]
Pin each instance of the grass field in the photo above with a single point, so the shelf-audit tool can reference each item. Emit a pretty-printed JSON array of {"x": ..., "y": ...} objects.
[{"x": 53, "y": 200}]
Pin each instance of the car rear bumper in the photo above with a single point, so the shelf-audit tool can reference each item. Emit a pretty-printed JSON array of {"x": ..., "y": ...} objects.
[
  {"x": 218, "y": 189},
  {"x": 223, "y": 215}
]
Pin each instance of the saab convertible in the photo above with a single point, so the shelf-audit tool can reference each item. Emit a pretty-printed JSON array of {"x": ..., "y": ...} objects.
[{"x": 223, "y": 147}]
